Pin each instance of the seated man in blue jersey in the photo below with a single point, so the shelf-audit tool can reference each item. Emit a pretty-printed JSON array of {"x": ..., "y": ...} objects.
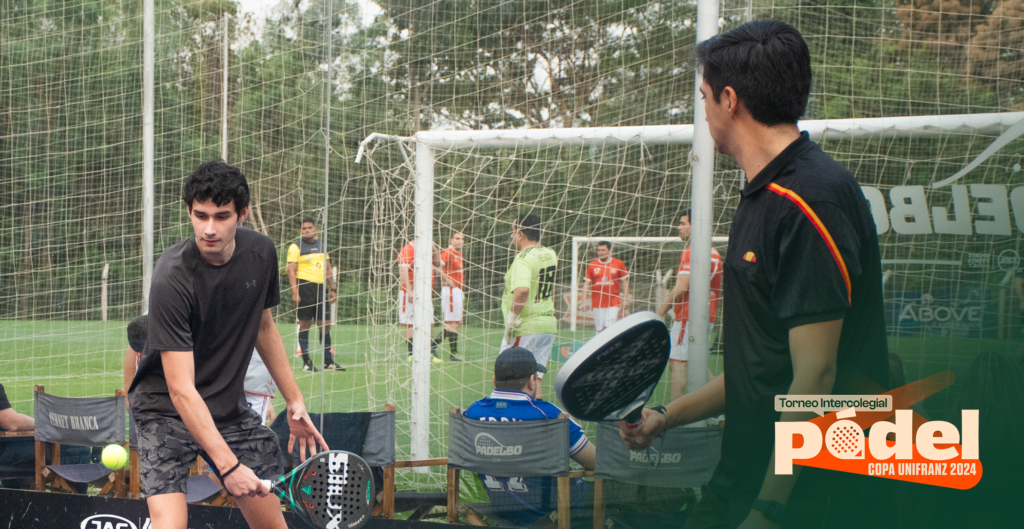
[{"x": 524, "y": 500}]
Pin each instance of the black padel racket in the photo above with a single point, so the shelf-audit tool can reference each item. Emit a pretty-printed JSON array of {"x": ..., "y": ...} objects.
[
  {"x": 611, "y": 377},
  {"x": 331, "y": 490}
]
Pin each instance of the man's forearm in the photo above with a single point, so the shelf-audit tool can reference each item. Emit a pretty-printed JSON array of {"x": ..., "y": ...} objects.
[
  {"x": 624, "y": 283},
  {"x": 13, "y": 421},
  {"x": 586, "y": 291},
  {"x": 519, "y": 298},
  {"x": 703, "y": 403},
  {"x": 293, "y": 280}
]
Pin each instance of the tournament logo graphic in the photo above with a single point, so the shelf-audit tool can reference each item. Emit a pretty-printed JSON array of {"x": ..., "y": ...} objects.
[
  {"x": 487, "y": 445},
  {"x": 908, "y": 448}
]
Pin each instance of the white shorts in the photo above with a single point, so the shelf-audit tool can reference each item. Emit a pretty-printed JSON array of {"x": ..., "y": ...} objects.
[
  {"x": 259, "y": 404},
  {"x": 605, "y": 317},
  {"x": 680, "y": 344},
  {"x": 405, "y": 309},
  {"x": 451, "y": 303},
  {"x": 538, "y": 344}
]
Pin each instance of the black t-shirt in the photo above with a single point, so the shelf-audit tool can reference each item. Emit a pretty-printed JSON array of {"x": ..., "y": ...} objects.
[
  {"x": 213, "y": 311},
  {"x": 4, "y": 403},
  {"x": 802, "y": 249}
]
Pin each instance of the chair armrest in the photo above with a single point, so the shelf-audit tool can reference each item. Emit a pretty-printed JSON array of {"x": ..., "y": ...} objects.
[
  {"x": 435, "y": 462},
  {"x": 582, "y": 474},
  {"x": 18, "y": 433}
]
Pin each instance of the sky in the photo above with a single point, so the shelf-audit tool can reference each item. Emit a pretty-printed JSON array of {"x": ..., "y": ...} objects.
[{"x": 369, "y": 9}]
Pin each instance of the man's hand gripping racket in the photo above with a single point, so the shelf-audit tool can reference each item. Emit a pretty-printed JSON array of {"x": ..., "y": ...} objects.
[
  {"x": 613, "y": 375},
  {"x": 331, "y": 490}
]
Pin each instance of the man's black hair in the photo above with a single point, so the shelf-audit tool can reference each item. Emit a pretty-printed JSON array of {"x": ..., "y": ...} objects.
[
  {"x": 138, "y": 329},
  {"x": 684, "y": 213},
  {"x": 518, "y": 384},
  {"x": 606, "y": 244},
  {"x": 219, "y": 182},
  {"x": 529, "y": 225},
  {"x": 767, "y": 63},
  {"x": 309, "y": 220}
]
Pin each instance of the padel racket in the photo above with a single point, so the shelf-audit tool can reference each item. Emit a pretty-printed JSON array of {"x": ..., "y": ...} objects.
[
  {"x": 331, "y": 490},
  {"x": 611, "y": 377}
]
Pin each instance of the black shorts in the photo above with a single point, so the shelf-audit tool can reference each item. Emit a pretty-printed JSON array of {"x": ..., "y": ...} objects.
[
  {"x": 311, "y": 296},
  {"x": 167, "y": 451}
]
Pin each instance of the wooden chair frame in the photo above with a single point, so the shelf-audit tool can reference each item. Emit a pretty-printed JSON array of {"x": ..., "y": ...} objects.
[
  {"x": 45, "y": 476},
  {"x": 564, "y": 500},
  {"x": 387, "y": 504}
]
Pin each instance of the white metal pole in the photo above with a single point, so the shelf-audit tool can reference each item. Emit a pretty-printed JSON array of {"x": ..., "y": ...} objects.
[
  {"x": 224, "y": 97},
  {"x": 334, "y": 306},
  {"x": 328, "y": 89},
  {"x": 103, "y": 292},
  {"x": 702, "y": 161},
  {"x": 574, "y": 295},
  {"x": 148, "y": 52},
  {"x": 423, "y": 310}
]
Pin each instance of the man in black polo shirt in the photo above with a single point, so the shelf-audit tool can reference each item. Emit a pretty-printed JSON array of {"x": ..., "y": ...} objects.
[
  {"x": 209, "y": 306},
  {"x": 803, "y": 280}
]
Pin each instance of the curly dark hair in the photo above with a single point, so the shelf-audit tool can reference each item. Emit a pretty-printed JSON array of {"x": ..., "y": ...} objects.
[{"x": 219, "y": 182}]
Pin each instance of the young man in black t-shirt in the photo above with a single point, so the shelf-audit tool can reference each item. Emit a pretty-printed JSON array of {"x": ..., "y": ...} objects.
[
  {"x": 209, "y": 306},
  {"x": 803, "y": 280}
]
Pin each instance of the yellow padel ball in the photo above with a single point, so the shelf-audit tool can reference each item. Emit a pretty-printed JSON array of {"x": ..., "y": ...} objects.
[{"x": 114, "y": 457}]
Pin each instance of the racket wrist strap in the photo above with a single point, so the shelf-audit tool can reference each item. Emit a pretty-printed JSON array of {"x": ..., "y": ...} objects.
[
  {"x": 230, "y": 470},
  {"x": 662, "y": 410}
]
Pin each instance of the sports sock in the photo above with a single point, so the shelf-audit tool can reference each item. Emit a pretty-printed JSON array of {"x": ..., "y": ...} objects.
[
  {"x": 436, "y": 341},
  {"x": 453, "y": 340},
  {"x": 410, "y": 345},
  {"x": 304, "y": 346},
  {"x": 327, "y": 345}
]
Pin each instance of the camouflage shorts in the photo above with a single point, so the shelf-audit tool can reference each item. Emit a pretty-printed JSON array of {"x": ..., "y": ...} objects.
[{"x": 167, "y": 451}]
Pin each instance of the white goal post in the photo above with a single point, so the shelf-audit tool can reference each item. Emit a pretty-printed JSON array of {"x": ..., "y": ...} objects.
[{"x": 425, "y": 143}]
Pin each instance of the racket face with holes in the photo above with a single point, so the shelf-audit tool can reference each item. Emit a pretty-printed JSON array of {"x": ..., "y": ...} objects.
[
  {"x": 614, "y": 374},
  {"x": 331, "y": 490}
]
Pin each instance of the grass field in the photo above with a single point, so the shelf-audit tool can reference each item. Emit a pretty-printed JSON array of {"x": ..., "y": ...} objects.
[{"x": 86, "y": 359}]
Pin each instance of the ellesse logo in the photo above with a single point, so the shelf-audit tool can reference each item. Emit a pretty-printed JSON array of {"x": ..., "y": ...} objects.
[{"x": 487, "y": 445}]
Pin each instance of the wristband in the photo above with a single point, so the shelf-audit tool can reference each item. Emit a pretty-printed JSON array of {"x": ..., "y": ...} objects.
[
  {"x": 230, "y": 470},
  {"x": 663, "y": 411}
]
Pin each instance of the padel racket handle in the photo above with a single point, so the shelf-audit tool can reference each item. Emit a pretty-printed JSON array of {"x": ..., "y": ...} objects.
[
  {"x": 270, "y": 486},
  {"x": 635, "y": 419}
]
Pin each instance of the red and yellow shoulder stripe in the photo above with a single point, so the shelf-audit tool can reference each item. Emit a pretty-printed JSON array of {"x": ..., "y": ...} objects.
[{"x": 820, "y": 226}]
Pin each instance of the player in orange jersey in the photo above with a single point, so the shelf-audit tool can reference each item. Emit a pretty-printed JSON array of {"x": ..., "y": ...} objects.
[
  {"x": 452, "y": 295},
  {"x": 608, "y": 278},
  {"x": 680, "y": 300}
]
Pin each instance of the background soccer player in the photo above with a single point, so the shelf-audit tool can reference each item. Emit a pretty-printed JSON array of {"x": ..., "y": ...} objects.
[
  {"x": 609, "y": 279},
  {"x": 406, "y": 275},
  {"x": 307, "y": 262},
  {"x": 527, "y": 301},
  {"x": 680, "y": 300},
  {"x": 452, "y": 295}
]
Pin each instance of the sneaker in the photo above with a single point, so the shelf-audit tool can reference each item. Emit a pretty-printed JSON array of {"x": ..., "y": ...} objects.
[
  {"x": 298, "y": 352},
  {"x": 333, "y": 367},
  {"x": 435, "y": 360},
  {"x": 309, "y": 367},
  {"x": 454, "y": 358}
]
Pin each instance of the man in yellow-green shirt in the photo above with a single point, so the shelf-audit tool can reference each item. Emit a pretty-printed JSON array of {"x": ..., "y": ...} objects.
[{"x": 527, "y": 302}]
